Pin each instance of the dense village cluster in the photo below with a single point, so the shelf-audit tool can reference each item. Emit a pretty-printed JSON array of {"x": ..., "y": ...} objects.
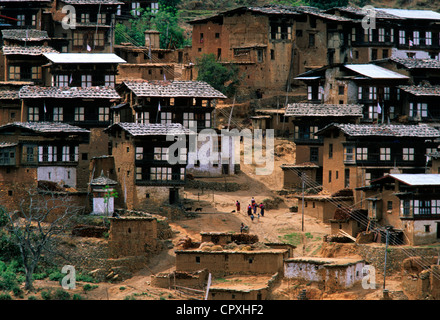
[{"x": 80, "y": 113}]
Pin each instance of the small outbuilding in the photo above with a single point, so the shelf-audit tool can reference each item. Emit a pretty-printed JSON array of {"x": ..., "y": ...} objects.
[{"x": 103, "y": 190}]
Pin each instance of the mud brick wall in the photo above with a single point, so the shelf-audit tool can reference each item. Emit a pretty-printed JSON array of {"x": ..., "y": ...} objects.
[
  {"x": 132, "y": 236},
  {"x": 220, "y": 263}
]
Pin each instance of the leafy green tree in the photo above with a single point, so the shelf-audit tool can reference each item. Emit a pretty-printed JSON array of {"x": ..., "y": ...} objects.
[
  {"x": 328, "y": 4},
  {"x": 292, "y": 3},
  {"x": 165, "y": 20},
  {"x": 223, "y": 77},
  {"x": 171, "y": 5}
]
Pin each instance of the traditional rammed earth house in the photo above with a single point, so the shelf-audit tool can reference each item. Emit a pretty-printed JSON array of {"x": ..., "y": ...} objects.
[
  {"x": 333, "y": 273},
  {"x": 270, "y": 44},
  {"x": 307, "y": 119},
  {"x": 408, "y": 202},
  {"x": 190, "y": 103},
  {"x": 32, "y": 152},
  {"x": 355, "y": 154},
  {"x": 145, "y": 171},
  {"x": 367, "y": 84},
  {"x": 22, "y": 55}
]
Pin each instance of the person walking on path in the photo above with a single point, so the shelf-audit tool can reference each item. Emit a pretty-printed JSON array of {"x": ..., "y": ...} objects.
[
  {"x": 262, "y": 209},
  {"x": 237, "y": 204},
  {"x": 249, "y": 211}
]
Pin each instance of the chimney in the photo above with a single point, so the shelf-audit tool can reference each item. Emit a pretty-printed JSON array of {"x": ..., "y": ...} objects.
[{"x": 152, "y": 39}]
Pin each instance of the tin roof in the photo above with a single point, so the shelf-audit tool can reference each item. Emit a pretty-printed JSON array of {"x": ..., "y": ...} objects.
[
  {"x": 384, "y": 130},
  {"x": 46, "y": 127},
  {"x": 150, "y": 129},
  {"x": 411, "y": 14},
  {"x": 27, "y": 50},
  {"x": 101, "y": 2},
  {"x": 330, "y": 110},
  {"x": 374, "y": 72},
  {"x": 84, "y": 58},
  {"x": 414, "y": 179},
  {"x": 25, "y": 34},
  {"x": 173, "y": 88},
  {"x": 30, "y": 92}
]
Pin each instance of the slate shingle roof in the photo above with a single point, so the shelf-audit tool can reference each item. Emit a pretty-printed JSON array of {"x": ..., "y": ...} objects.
[
  {"x": 102, "y": 180},
  {"x": 278, "y": 10},
  {"x": 25, "y": 34},
  {"x": 9, "y": 95},
  {"x": 411, "y": 63},
  {"x": 359, "y": 12},
  {"x": 46, "y": 127},
  {"x": 30, "y": 92},
  {"x": 384, "y": 130},
  {"x": 422, "y": 90},
  {"x": 150, "y": 129},
  {"x": 173, "y": 88},
  {"x": 27, "y": 50},
  {"x": 323, "y": 110}
]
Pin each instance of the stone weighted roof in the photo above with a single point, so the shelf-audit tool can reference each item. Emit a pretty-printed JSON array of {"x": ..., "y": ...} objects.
[
  {"x": 150, "y": 129},
  {"x": 9, "y": 95},
  {"x": 46, "y": 127},
  {"x": 25, "y": 34},
  {"x": 422, "y": 90},
  {"x": 411, "y": 63},
  {"x": 27, "y": 50},
  {"x": 173, "y": 88},
  {"x": 379, "y": 14},
  {"x": 384, "y": 130},
  {"x": 323, "y": 110},
  {"x": 30, "y": 92},
  {"x": 102, "y": 180}
]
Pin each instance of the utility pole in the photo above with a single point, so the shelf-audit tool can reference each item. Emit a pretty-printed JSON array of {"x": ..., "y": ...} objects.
[
  {"x": 302, "y": 218},
  {"x": 385, "y": 263}
]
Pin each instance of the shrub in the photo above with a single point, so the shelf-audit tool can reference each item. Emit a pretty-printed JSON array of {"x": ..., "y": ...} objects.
[
  {"x": 89, "y": 287},
  {"x": 77, "y": 296},
  {"x": 60, "y": 294},
  {"x": 46, "y": 295},
  {"x": 56, "y": 276},
  {"x": 5, "y": 296},
  {"x": 85, "y": 278},
  {"x": 8, "y": 280},
  {"x": 17, "y": 291}
]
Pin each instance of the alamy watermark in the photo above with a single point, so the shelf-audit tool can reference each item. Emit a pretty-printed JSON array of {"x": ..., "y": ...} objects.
[
  {"x": 369, "y": 277},
  {"x": 69, "y": 281},
  {"x": 369, "y": 20},
  {"x": 203, "y": 148},
  {"x": 69, "y": 20}
]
